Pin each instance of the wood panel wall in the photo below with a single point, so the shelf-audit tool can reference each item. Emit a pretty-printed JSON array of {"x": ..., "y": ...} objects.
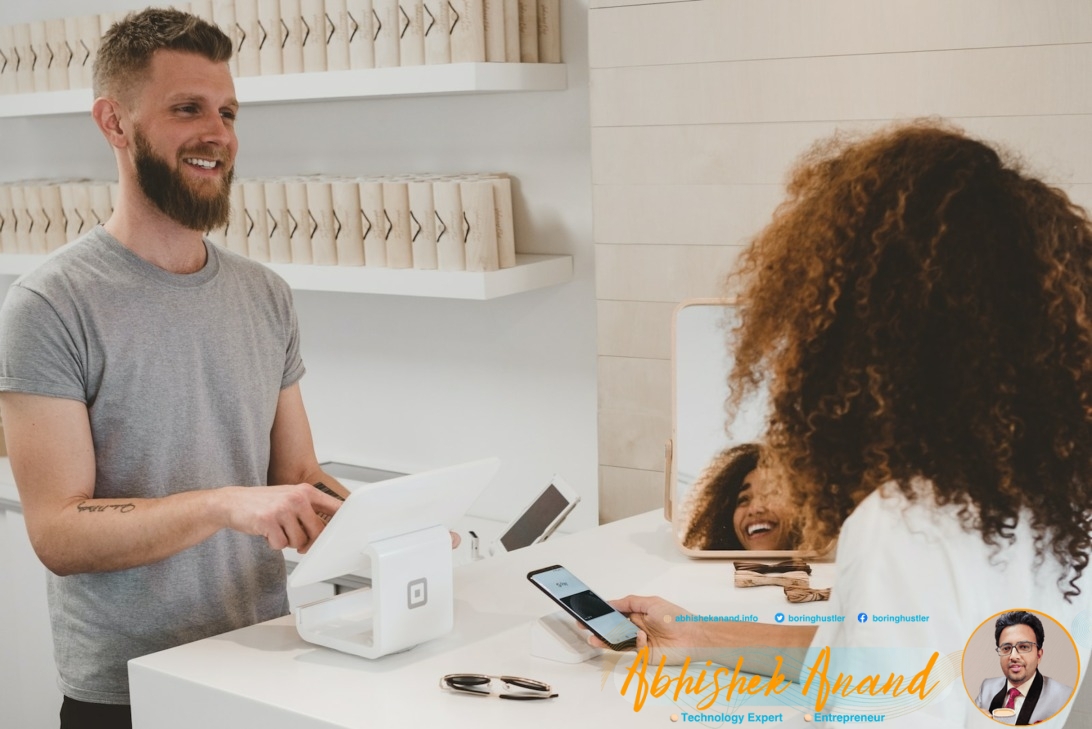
[{"x": 699, "y": 107}]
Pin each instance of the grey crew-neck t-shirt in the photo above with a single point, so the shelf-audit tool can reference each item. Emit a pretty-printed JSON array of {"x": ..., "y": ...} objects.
[{"x": 181, "y": 374}]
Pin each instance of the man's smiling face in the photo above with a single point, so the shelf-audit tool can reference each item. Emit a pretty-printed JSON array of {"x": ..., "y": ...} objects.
[
  {"x": 1019, "y": 667},
  {"x": 184, "y": 138}
]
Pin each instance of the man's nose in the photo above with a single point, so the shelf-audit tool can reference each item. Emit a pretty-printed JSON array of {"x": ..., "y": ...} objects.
[{"x": 217, "y": 130}]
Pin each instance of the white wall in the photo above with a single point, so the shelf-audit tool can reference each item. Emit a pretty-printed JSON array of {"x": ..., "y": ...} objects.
[{"x": 416, "y": 383}]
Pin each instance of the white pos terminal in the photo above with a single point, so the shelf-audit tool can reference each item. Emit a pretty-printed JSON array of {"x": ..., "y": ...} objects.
[{"x": 398, "y": 528}]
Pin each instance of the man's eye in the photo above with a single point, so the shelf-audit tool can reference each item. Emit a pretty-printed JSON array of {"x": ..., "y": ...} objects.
[{"x": 229, "y": 115}]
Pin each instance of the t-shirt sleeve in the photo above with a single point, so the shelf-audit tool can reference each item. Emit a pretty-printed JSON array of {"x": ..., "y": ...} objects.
[
  {"x": 293, "y": 361},
  {"x": 39, "y": 354}
]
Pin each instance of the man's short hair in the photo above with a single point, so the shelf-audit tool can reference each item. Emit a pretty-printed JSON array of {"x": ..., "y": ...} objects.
[
  {"x": 127, "y": 47},
  {"x": 1019, "y": 617}
]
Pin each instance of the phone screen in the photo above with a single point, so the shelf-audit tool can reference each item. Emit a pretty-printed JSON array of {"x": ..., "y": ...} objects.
[{"x": 587, "y": 607}]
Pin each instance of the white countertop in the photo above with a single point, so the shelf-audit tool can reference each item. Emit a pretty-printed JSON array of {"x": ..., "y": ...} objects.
[{"x": 265, "y": 675}]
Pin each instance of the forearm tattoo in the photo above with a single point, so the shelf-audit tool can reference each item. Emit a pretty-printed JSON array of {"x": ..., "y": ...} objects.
[{"x": 123, "y": 508}]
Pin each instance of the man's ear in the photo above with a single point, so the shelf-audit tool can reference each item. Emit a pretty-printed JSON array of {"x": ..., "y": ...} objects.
[{"x": 108, "y": 115}]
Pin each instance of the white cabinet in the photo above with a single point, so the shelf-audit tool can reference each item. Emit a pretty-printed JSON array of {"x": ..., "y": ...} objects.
[{"x": 28, "y": 676}]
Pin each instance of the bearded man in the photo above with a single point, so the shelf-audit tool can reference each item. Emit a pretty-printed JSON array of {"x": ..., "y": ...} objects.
[{"x": 149, "y": 387}]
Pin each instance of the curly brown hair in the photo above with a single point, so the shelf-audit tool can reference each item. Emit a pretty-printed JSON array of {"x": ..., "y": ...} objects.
[
  {"x": 921, "y": 308},
  {"x": 715, "y": 497}
]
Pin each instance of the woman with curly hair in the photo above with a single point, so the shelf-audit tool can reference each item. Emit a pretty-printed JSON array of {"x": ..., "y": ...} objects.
[
  {"x": 737, "y": 506},
  {"x": 921, "y": 311}
]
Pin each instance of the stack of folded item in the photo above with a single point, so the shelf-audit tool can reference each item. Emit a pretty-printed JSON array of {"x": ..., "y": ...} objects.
[{"x": 792, "y": 575}]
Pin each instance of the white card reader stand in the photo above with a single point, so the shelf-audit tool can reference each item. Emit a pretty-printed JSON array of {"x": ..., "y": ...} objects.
[
  {"x": 558, "y": 637},
  {"x": 411, "y": 599},
  {"x": 397, "y": 528}
]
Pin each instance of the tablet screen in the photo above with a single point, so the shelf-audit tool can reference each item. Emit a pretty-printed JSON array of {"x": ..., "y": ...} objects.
[
  {"x": 536, "y": 520},
  {"x": 390, "y": 508}
]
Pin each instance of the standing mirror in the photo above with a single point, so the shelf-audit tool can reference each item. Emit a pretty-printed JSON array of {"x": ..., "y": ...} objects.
[{"x": 719, "y": 503}]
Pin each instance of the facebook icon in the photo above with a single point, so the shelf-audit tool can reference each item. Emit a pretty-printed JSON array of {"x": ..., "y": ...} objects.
[{"x": 862, "y": 617}]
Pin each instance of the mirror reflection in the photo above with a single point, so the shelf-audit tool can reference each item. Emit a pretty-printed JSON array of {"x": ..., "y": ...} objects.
[
  {"x": 725, "y": 503},
  {"x": 737, "y": 505}
]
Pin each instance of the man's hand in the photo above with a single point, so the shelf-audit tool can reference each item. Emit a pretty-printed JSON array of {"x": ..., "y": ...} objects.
[
  {"x": 659, "y": 631},
  {"x": 286, "y": 516}
]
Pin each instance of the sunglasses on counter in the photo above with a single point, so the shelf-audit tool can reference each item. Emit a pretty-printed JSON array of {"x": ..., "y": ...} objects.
[{"x": 503, "y": 687}]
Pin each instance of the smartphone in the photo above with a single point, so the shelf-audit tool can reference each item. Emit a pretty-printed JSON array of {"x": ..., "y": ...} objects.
[
  {"x": 609, "y": 625},
  {"x": 327, "y": 490}
]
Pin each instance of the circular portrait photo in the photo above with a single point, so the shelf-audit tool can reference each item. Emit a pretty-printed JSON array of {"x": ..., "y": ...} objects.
[{"x": 1020, "y": 667}]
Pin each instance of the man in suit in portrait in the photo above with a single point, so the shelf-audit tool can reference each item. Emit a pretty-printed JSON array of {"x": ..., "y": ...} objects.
[{"x": 1034, "y": 697}]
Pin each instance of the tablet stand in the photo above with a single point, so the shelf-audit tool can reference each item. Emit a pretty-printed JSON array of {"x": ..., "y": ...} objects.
[
  {"x": 410, "y": 601},
  {"x": 558, "y": 637}
]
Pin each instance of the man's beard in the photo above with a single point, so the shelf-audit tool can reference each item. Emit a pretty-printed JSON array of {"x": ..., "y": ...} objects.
[{"x": 169, "y": 191}]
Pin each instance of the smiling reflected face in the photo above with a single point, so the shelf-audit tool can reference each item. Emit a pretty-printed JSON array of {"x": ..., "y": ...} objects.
[
  {"x": 763, "y": 516},
  {"x": 1019, "y": 667}
]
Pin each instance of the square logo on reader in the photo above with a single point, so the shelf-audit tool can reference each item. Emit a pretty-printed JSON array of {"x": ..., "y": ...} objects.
[{"x": 417, "y": 593}]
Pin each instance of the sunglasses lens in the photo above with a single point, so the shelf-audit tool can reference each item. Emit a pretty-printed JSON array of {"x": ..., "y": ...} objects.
[
  {"x": 468, "y": 682},
  {"x": 525, "y": 683}
]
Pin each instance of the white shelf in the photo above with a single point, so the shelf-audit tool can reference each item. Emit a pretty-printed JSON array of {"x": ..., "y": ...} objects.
[
  {"x": 532, "y": 271},
  {"x": 399, "y": 81}
]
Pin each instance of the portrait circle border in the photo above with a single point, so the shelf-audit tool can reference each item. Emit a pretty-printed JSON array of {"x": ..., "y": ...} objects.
[{"x": 1073, "y": 643}]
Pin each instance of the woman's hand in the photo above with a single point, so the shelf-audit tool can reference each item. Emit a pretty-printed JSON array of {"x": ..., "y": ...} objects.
[{"x": 660, "y": 631}]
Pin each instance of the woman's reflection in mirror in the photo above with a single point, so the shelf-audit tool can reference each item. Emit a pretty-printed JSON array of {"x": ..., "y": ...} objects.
[{"x": 736, "y": 505}]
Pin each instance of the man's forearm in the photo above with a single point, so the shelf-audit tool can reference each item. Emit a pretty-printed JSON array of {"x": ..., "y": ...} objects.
[
  {"x": 98, "y": 535},
  {"x": 103, "y": 535},
  {"x": 53, "y": 461}
]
